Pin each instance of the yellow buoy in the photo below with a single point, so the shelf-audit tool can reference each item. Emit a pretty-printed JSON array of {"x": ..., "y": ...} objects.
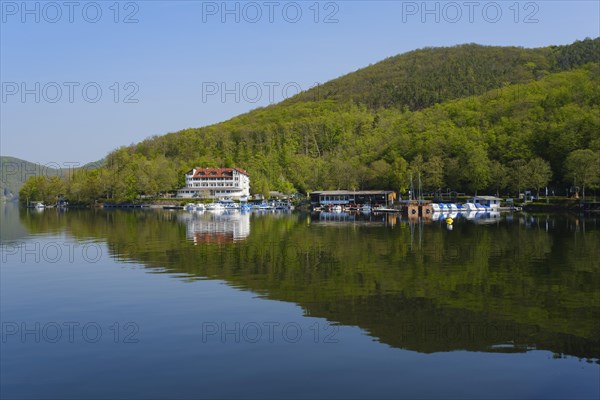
[{"x": 449, "y": 221}]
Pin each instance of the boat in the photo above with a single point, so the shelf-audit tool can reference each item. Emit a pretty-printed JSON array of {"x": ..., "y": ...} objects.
[
  {"x": 190, "y": 207},
  {"x": 229, "y": 204},
  {"x": 199, "y": 207},
  {"x": 262, "y": 206},
  {"x": 282, "y": 205},
  {"x": 37, "y": 205},
  {"x": 215, "y": 206},
  {"x": 366, "y": 208},
  {"x": 470, "y": 206},
  {"x": 445, "y": 207}
]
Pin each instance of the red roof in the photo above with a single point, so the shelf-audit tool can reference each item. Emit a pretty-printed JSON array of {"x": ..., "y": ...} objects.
[{"x": 216, "y": 172}]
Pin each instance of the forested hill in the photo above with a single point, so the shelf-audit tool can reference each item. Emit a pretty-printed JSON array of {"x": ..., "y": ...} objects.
[
  {"x": 14, "y": 171},
  {"x": 424, "y": 77},
  {"x": 537, "y": 123}
]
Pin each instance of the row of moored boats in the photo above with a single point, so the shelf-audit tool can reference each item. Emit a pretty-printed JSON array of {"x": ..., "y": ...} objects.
[
  {"x": 230, "y": 205},
  {"x": 457, "y": 207}
]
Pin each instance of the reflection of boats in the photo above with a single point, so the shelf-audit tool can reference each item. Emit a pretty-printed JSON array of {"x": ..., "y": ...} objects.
[
  {"x": 482, "y": 217},
  {"x": 438, "y": 216},
  {"x": 487, "y": 217},
  {"x": 355, "y": 218}
]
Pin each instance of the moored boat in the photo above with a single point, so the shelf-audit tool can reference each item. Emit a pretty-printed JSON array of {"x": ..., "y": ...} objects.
[{"x": 215, "y": 207}]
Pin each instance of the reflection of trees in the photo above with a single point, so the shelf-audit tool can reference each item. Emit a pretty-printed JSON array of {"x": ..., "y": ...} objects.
[
  {"x": 11, "y": 228},
  {"x": 477, "y": 286}
]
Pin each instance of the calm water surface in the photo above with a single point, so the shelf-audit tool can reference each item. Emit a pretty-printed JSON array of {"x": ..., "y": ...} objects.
[{"x": 153, "y": 304}]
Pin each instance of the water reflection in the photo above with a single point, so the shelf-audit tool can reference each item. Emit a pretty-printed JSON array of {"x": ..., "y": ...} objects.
[
  {"x": 360, "y": 218},
  {"x": 526, "y": 281},
  {"x": 216, "y": 227}
]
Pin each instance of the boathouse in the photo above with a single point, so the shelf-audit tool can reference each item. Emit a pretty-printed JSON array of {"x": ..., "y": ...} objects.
[
  {"x": 346, "y": 197},
  {"x": 486, "y": 201}
]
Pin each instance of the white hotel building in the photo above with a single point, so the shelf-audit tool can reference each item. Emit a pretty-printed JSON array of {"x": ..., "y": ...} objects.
[{"x": 213, "y": 183}]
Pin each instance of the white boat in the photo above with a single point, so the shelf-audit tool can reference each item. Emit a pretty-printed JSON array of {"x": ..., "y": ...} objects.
[
  {"x": 262, "y": 206},
  {"x": 470, "y": 215},
  {"x": 190, "y": 207},
  {"x": 445, "y": 207},
  {"x": 229, "y": 204},
  {"x": 37, "y": 205},
  {"x": 366, "y": 208},
  {"x": 336, "y": 209},
  {"x": 470, "y": 207},
  {"x": 215, "y": 207},
  {"x": 199, "y": 207}
]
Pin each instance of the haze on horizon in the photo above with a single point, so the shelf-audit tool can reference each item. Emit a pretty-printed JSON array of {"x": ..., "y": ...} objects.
[{"x": 78, "y": 83}]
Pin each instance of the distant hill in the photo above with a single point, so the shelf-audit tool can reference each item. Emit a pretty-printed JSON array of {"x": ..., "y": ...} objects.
[{"x": 15, "y": 171}]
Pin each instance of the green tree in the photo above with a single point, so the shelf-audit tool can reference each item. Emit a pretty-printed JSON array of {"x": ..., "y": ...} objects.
[
  {"x": 381, "y": 173},
  {"x": 30, "y": 191},
  {"x": 539, "y": 173},
  {"x": 499, "y": 176},
  {"x": 519, "y": 176},
  {"x": 583, "y": 167},
  {"x": 433, "y": 171},
  {"x": 42, "y": 188},
  {"x": 477, "y": 169}
]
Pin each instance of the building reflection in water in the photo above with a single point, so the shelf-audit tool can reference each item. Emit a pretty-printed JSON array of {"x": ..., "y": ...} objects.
[
  {"x": 216, "y": 227},
  {"x": 358, "y": 218}
]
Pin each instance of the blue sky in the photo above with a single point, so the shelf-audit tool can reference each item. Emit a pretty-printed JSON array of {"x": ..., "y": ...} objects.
[{"x": 76, "y": 84}]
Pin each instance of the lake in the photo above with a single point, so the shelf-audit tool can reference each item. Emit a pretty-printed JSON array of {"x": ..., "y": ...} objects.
[{"x": 172, "y": 304}]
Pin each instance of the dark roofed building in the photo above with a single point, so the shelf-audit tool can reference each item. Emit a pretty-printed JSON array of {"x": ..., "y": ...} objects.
[{"x": 344, "y": 197}]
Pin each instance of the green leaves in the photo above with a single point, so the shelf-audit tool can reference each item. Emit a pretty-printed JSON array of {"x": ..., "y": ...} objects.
[{"x": 583, "y": 167}]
